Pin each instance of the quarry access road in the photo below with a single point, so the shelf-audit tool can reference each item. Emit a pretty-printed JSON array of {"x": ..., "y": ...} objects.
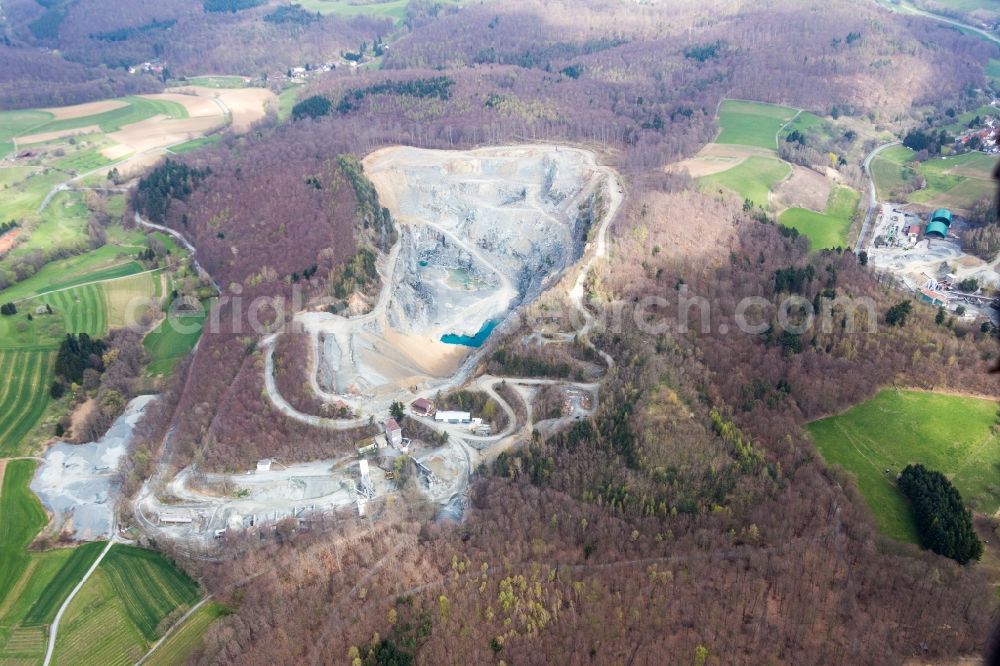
[
  {"x": 616, "y": 195},
  {"x": 859, "y": 246},
  {"x": 142, "y": 222}
]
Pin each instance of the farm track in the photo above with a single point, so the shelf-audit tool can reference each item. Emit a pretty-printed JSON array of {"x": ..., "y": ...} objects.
[
  {"x": 54, "y": 629},
  {"x": 176, "y": 626}
]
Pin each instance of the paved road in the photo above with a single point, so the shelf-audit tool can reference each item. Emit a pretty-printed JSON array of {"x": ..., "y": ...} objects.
[
  {"x": 906, "y": 8},
  {"x": 872, "y": 196}
]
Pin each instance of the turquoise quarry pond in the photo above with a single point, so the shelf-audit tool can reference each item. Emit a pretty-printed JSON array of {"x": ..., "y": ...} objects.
[{"x": 471, "y": 340}]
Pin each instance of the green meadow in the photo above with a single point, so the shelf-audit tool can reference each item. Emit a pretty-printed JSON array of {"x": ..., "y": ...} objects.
[
  {"x": 949, "y": 434},
  {"x": 752, "y": 179},
  {"x": 828, "y": 229},
  {"x": 752, "y": 123}
]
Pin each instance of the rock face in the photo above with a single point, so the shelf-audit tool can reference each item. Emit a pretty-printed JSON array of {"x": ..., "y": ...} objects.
[
  {"x": 480, "y": 233},
  {"x": 481, "y": 230}
]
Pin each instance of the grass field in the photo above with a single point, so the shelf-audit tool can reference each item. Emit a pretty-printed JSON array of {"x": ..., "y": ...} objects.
[
  {"x": 21, "y": 516},
  {"x": 993, "y": 71},
  {"x": 76, "y": 310},
  {"x": 752, "y": 179},
  {"x": 195, "y": 144},
  {"x": 752, "y": 123},
  {"x": 82, "y": 161},
  {"x": 24, "y": 384},
  {"x": 14, "y": 175},
  {"x": 186, "y": 638},
  {"x": 395, "y": 9},
  {"x": 892, "y": 169},
  {"x": 950, "y": 434},
  {"x": 16, "y": 123},
  {"x": 828, "y": 229},
  {"x": 221, "y": 81},
  {"x": 125, "y": 299},
  {"x": 806, "y": 121},
  {"x": 962, "y": 121},
  {"x": 61, "y": 226},
  {"x": 952, "y": 182},
  {"x": 287, "y": 100},
  {"x": 172, "y": 340},
  {"x": 136, "y": 110},
  {"x": 22, "y": 197},
  {"x": 108, "y": 261},
  {"x": 149, "y": 585},
  {"x": 52, "y": 596}
]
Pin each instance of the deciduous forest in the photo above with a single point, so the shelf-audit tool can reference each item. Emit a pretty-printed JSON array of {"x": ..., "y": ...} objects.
[{"x": 692, "y": 515}]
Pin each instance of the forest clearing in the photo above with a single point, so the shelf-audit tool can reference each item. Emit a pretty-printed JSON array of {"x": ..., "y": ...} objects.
[{"x": 876, "y": 439}]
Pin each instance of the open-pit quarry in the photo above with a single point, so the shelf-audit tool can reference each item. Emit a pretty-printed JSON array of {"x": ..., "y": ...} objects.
[{"x": 481, "y": 234}]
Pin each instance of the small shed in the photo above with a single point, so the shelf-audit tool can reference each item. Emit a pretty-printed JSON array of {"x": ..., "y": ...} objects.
[
  {"x": 370, "y": 444},
  {"x": 264, "y": 465}
]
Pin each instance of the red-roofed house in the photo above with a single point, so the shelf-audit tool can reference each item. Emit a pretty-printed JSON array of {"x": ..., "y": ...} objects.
[{"x": 422, "y": 407}]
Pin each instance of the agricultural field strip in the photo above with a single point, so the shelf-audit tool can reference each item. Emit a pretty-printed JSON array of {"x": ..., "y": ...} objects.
[
  {"x": 18, "y": 588},
  {"x": 96, "y": 629},
  {"x": 29, "y": 374},
  {"x": 136, "y": 110},
  {"x": 149, "y": 586},
  {"x": 66, "y": 184},
  {"x": 48, "y": 601},
  {"x": 86, "y": 284},
  {"x": 29, "y": 386}
]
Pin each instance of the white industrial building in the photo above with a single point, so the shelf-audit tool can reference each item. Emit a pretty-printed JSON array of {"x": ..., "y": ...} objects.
[
  {"x": 175, "y": 517},
  {"x": 453, "y": 417}
]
